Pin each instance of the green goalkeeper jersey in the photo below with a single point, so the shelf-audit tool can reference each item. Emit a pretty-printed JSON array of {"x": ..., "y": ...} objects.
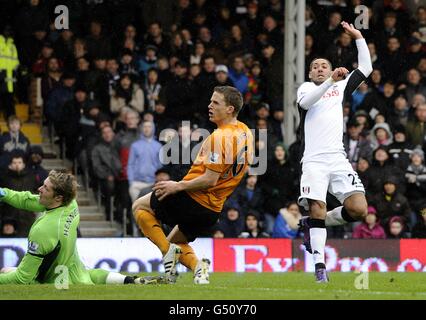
[{"x": 51, "y": 243}]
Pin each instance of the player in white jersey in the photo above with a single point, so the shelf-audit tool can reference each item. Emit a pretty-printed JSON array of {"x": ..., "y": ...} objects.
[{"x": 325, "y": 167}]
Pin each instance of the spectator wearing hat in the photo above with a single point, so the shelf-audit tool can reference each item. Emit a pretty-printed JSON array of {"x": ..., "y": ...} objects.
[
  {"x": 364, "y": 173},
  {"x": 232, "y": 224},
  {"x": 400, "y": 150},
  {"x": 419, "y": 229},
  {"x": 255, "y": 90},
  {"x": 415, "y": 176},
  {"x": 391, "y": 202},
  {"x": 286, "y": 222},
  {"x": 416, "y": 128},
  {"x": 222, "y": 76},
  {"x": 415, "y": 52},
  {"x": 34, "y": 164},
  {"x": 128, "y": 64},
  {"x": 148, "y": 60},
  {"x": 370, "y": 228},
  {"x": 381, "y": 135},
  {"x": 397, "y": 228},
  {"x": 355, "y": 144},
  {"x": 252, "y": 227},
  {"x": 127, "y": 94}
]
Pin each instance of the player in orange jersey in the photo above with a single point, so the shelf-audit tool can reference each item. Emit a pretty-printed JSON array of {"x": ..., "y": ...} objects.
[{"x": 193, "y": 205}]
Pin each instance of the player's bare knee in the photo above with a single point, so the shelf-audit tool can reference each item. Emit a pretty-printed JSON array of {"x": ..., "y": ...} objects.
[
  {"x": 357, "y": 211},
  {"x": 317, "y": 209}
]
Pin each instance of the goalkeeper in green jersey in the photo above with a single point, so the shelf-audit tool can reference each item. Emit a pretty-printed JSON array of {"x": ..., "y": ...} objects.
[{"x": 52, "y": 238}]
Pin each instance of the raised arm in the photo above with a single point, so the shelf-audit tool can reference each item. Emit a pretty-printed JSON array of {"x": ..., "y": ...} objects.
[
  {"x": 23, "y": 200},
  {"x": 364, "y": 60}
]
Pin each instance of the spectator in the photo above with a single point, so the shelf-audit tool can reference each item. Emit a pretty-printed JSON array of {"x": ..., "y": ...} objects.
[
  {"x": 143, "y": 161},
  {"x": 273, "y": 72},
  {"x": 97, "y": 82},
  {"x": 39, "y": 67},
  {"x": 394, "y": 60},
  {"x": 364, "y": 171},
  {"x": 400, "y": 150},
  {"x": 128, "y": 94},
  {"x": 249, "y": 196},
  {"x": 18, "y": 177},
  {"x": 161, "y": 174},
  {"x": 279, "y": 184},
  {"x": 152, "y": 89},
  {"x": 397, "y": 229},
  {"x": 106, "y": 166},
  {"x": 286, "y": 223},
  {"x": 98, "y": 45},
  {"x": 342, "y": 53},
  {"x": 9, "y": 229},
  {"x": 391, "y": 202},
  {"x": 217, "y": 233},
  {"x": 252, "y": 228},
  {"x": 13, "y": 142},
  {"x": 122, "y": 142},
  {"x": 222, "y": 76},
  {"x": 415, "y": 176},
  {"x": 199, "y": 51},
  {"x": 419, "y": 230},
  {"x": 255, "y": 90},
  {"x": 147, "y": 61},
  {"x": 34, "y": 164},
  {"x": 232, "y": 224},
  {"x": 370, "y": 228},
  {"x": 416, "y": 128},
  {"x": 51, "y": 78},
  {"x": 381, "y": 135},
  {"x": 128, "y": 65},
  {"x": 414, "y": 84},
  {"x": 56, "y": 100},
  {"x": 237, "y": 74},
  {"x": 356, "y": 145},
  {"x": 400, "y": 112}
]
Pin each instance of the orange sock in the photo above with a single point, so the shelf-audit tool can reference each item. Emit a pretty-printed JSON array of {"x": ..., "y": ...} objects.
[
  {"x": 188, "y": 257},
  {"x": 151, "y": 228}
]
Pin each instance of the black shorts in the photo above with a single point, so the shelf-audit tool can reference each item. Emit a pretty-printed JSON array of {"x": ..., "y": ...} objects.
[{"x": 193, "y": 219}]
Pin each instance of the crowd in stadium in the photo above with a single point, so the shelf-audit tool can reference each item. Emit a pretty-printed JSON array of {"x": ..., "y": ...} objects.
[{"x": 127, "y": 70}]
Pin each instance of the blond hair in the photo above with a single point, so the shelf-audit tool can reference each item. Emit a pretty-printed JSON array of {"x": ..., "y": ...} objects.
[{"x": 64, "y": 184}]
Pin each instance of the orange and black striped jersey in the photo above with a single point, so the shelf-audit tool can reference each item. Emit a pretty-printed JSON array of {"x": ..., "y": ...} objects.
[{"x": 228, "y": 151}]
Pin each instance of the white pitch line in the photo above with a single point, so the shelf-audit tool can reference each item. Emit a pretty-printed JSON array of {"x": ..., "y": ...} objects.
[{"x": 323, "y": 291}]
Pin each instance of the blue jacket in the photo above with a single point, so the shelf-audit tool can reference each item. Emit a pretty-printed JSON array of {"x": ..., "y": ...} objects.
[
  {"x": 144, "y": 160},
  {"x": 240, "y": 80},
  {"x": 282, "y": 229}
]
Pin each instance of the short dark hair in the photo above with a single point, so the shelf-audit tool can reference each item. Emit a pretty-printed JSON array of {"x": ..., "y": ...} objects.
[
  {"x": 232, "y": 97},
  {"x": 312, "y": 62}
]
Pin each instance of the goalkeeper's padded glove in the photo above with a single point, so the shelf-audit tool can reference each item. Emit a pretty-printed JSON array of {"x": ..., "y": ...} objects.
[{"x": 2, "y": 192}]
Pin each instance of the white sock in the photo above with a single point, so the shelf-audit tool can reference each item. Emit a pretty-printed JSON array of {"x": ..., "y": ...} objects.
[
  {"x": 318, "y": 238},
  {"x": 115, "y": 278},
  {"x": 334, "y": 217}
]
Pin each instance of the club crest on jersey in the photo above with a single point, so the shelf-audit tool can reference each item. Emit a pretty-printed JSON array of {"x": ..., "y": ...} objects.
[
  {"x": 306, "y": 190},
  {"x": 214, "y": 157},
  {"x": 32, "y": 247}
]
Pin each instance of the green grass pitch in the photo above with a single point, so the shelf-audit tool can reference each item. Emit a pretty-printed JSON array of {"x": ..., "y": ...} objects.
[{"x": 244, "y": 286}]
